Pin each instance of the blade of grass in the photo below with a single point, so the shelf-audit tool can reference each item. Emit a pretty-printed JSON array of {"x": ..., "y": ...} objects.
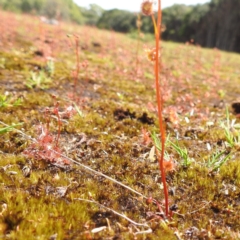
[{"x": 9, "y": 128}]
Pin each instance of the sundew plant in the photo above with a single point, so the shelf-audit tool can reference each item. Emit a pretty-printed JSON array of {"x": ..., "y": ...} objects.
[
  {"x": 99, "y": 141},
  {"x": 153, "y": 55}
]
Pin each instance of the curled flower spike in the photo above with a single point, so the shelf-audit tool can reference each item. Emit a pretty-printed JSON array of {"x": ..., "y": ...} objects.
[
  {"x": 151, "y": 54},
  {"x": 147, "y": 8}
]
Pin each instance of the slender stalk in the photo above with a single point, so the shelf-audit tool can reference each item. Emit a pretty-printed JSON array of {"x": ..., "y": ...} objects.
[
  {"x": 137, "y": 59},
  {"x": 157, "y": 68},
  {"x": 138, "y": 40},
  {"x": 77, "y": 66},
  {"x": 59, "y": 122}
]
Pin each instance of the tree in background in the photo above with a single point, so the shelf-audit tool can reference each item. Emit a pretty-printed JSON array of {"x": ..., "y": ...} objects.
[
  {"x": 214, "y": 24},
  {"x": 118, "y": 20},
  {"x": 191, "y": 20},
  {"x": 74, "y": 11},
  {"x": 61, "y": 9},
  {"x": 173, "y": 18},
  {"x": 220, "y": 26},
  {"x": 92, "y": 14},
  {"x": 53, "y": 8},
  {"x": 11, "y": 5}
]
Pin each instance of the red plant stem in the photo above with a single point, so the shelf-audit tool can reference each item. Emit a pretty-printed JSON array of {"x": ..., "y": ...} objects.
[
  {"x": 137, "y": 59},
  {"x": 59, "y": 122},
  {"x": 138, "y": 40},
  {"x": 160, "y": 104},
  {"x": 42, "y": 33},
  {"x": 77, "y": 65},
  {"x": 47, "y": 119}
]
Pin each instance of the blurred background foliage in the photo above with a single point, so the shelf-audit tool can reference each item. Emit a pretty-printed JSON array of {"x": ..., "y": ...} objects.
[{"x": 213, "y": 24}]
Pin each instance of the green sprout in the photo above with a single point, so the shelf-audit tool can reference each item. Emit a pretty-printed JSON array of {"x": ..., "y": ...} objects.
[
  {"x": 2, "y": 62},
  {"x": 38, "y": 80},
  {"x": 9, "y": 128},
  {"x": 157, "y": 144},
  {"x": 216, "y": 160},
  {"x": 80, "y": 113},
  {"x": 7, "y": 101},
  {"x": 231, "y": 130},
  {"x": 50, "y": 68},
  {"x": 183, "y": 153}
]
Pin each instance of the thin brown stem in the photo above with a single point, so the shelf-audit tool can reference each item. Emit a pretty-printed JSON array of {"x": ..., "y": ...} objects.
[
  {"x": 56, "y": 112},
  {"x": 137, "y": 59},
  {"x": 138, "y": 41},
  {"x": 77, "y": 66}
]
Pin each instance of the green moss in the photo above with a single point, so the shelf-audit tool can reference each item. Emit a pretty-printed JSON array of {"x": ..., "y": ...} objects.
[
  {"x": 231, "y": 172},
  {"x": 108, "y": 138}
]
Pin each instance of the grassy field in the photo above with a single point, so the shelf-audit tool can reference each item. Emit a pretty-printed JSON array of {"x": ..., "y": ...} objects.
[{"x": 77, "y": 110}]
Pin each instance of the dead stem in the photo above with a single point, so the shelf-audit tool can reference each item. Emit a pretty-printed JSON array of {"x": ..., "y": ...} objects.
[
  {"x": 115, "y": 212},
  {"x": 77, "y": 66},
  {"x": 204, "y": 206}
]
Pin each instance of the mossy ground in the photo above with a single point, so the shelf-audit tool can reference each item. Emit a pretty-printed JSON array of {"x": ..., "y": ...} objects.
[{"x": 116, "y": 99}]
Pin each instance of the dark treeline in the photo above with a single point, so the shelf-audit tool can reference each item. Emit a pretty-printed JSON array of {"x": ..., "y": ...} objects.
[
  {"x": 220, "y": 26},
  {"x": 214, "y": 24}
]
